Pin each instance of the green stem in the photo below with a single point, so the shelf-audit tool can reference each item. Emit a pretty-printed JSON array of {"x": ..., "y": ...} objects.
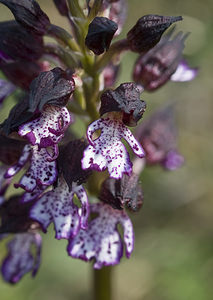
[
  {"x": 102, "y": 284},
  {"x": 114, "y": 51},
  {"x": 75, "y": 9}
]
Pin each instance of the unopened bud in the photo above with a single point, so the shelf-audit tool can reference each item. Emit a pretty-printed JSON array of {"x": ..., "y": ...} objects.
[
  {"x": 148, "y": 30},
  {"x": 100, "y": 33},
  {"x": 155, "y": 68}
]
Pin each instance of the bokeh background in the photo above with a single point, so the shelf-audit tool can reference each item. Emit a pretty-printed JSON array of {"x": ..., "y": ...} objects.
[{"x": 173, "y": 256}]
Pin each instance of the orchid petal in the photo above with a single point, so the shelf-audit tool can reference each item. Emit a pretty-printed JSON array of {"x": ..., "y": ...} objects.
[
  {"x": 41, "y": 171},
  {"x": 57, "y": 206},
  {"x": 102, "y": 240},
  {"x": 49, "y": 128},
  {"x": 20, "y": 259},
  {"x": 184, "y": 72},
  {"x": 107, "y": 151}
]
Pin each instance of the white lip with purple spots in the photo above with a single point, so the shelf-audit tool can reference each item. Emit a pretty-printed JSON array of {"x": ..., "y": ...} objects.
[
  {"x": 108, "y": 151},
  {"x": 101, "y": 240}
]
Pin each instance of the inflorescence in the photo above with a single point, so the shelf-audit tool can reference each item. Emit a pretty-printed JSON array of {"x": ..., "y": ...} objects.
[{"x": 75, "y": 76}]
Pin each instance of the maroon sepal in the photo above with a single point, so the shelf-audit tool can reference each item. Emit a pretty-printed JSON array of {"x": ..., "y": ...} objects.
[
  {"x": 100, "y": 33},
  {"x": 158, "y": 135},
  {"x": 125, "y": 192},
  {"x": 62, "y": 7},
  {"x": 69, "y": 162},
  {"x": 10, "y": 150},
  {"x": 15, "y": 216},
  {"x": 21, "y": 72},
  {"x": 29, "y": 15},
  {"x": 18, "y": 115},
  {"x": 18, "y": 43},
  {"x": 148, "y": 30},
  {"x": 126, "y": 99},
  {"x": 52, "y": 87}
]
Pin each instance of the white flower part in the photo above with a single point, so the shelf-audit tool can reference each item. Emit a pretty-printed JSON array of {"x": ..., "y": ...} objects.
[
  {"x": 184, "y": 72},
  {"x": 101, "y": 240},
  {"x": 21, "y": 162},
  {"x": 57, "y": 206},
  {"x": 42, "y": 170},
  {"x": 36, "y": 193},
  {"x": 20, "y": 259},
  {"x": 49, "y": 128},
  {"x": 107, "y": 151}
]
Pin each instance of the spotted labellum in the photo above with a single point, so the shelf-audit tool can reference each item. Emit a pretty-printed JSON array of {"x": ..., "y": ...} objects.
[
  {"x": 102, "y": 240},
  {"x": 107, "y": 151},
  {"x": 42, "y": 170},
  {"x": 57, "y": 206},
  {"x": 49, "y": 128},
  {"x": 20, "y": 259}
]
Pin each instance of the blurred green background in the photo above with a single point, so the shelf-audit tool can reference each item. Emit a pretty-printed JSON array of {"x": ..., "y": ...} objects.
[{"x": 173, "y": 256}]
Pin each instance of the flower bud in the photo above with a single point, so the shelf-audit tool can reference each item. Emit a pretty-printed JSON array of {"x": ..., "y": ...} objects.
[
  {"x": 155, "y": 68},
  {"x": 29, "y": 14},
  {"x": 147, "y": 31},
  {"x": 122, "y": 192},
  {"x": 126, "y": 99},
  {"x": 100, "y": 33},
  {"x": 159, "y": 136},
  {"x": 18, "y": 43}
]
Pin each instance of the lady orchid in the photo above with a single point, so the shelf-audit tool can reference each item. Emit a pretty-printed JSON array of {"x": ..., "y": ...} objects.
[
  {"x": 108, "y": 151},
  {"x": 38, "y": 137},
  {"x": 101, "y": 239},
  {"x": 49, "y": 128},
  {"x": 57, "y": 206}
]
